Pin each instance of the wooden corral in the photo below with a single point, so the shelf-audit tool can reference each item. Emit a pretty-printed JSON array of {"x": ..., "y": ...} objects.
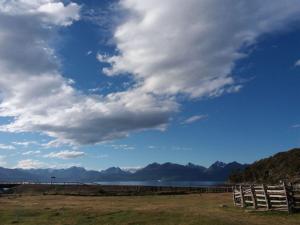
[{"x": 281, "y": 197}]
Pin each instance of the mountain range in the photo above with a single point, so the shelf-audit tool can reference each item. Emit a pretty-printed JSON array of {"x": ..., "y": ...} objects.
[{"x": 218, "y": 171}]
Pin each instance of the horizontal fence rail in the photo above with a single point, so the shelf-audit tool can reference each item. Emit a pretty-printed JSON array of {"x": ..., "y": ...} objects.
[{"x": 281, "y": 197}]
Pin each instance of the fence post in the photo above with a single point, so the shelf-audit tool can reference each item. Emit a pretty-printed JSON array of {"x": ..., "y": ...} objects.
[
  {"x": 293, "y": 200},
  {"x": 253, "y": 197},
  {"x": 233, "y": 195},
  {"x": 287, "y": 197},
  {"x": 266, "y": 197},
  {"x": 242, "y": 197}
]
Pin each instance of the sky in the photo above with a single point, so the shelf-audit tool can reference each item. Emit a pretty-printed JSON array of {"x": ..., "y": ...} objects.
[{"x": 127, "y": 83}]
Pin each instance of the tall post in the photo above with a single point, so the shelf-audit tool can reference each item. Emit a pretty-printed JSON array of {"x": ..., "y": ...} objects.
[
  {"x": 253, "y": 197},
  {"x": 266, "y": 197},
  {"x": 242, "y": 197},
  {"x": 287, "y": 198},
  {"x": 233, "y": 195},
  {"x": 292, "y": 196}
]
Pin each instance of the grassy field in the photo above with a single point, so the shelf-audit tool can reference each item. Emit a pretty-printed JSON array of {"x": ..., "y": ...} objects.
[{"x": 205, "y": 209}]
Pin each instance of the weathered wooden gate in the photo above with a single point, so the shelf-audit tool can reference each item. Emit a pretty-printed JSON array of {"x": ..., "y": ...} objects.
[{"x": 281, "y": 197}]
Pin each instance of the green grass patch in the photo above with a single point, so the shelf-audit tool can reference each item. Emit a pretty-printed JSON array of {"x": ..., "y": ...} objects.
[{"x": 142, "y": 210}]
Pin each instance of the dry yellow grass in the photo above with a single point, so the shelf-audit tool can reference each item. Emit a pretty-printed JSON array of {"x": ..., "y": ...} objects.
[{"x": 177, "y": 209}]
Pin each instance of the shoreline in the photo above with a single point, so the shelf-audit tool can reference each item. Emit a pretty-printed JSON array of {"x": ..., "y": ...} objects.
[{"x": 109, "y": 190}]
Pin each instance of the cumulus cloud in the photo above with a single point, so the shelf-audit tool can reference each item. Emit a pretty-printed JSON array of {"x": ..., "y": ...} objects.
[
  {"x": 50, "y": 11},
  {"x": 170, "y": 48},
  {"x": 37, "y": 164},
  {"x": 58, "y": 13},
  {"x": 40, "y": 99},
  {"x": 190, "y": 48},
  {"x": 65, "y": 154},
  {"x": 31, "y": 164},
  {"x": 193, "y": 119}
]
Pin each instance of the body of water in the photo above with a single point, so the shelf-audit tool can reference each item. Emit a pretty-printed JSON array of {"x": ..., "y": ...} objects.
[{"x": 164, "y": 183}]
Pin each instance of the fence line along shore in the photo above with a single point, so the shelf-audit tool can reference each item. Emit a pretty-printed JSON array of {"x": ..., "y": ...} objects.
[{"x": 280, "y": 197}]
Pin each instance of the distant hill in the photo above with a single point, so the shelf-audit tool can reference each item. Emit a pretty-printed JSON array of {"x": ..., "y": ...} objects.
[
  {"x": 281, "y": 166},
  {"x": 218, "y": 171},
  {"x": 170, "y": 172},
  {"x": 174, "y": 172},
  {"x": 16, "y": 174},
  {"x": 222, "y": 171}
]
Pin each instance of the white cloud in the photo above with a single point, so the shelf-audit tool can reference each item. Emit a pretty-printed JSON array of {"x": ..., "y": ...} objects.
[
  {"x": 25, "y": 143},
  {"x": 193, "y": 119},
  {"x": 170, "y": 48},
  {"x": 31, "y": 164},
  {"x": 2, "y": 161},
  {"x": 36, "y": 164},
  {"x": 7, "y": 147},
  {"x": 173, "y": 47},
  {"x": 40, "y": 99},
  {"x": 122, "y": 147},
  {"x": 31, "y": 152},
  {"x": 94, "y": 90},
  {"x": 58, "y": 13},
  {"x": 65, "y": 154},
  {"x": 102, "y": 57},
  {"x": 296, "y": 126},
  {"x": 131, "y": 169},
  {"x": 50, "y": 11},
  {"x": 297, "y": 63}
]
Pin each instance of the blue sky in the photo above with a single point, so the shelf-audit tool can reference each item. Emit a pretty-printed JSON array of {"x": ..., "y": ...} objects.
[{"x": 127, "y": 83}]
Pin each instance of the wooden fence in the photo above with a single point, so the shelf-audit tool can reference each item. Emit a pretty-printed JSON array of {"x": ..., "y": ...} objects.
[{"x": 281, "y": 197}]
